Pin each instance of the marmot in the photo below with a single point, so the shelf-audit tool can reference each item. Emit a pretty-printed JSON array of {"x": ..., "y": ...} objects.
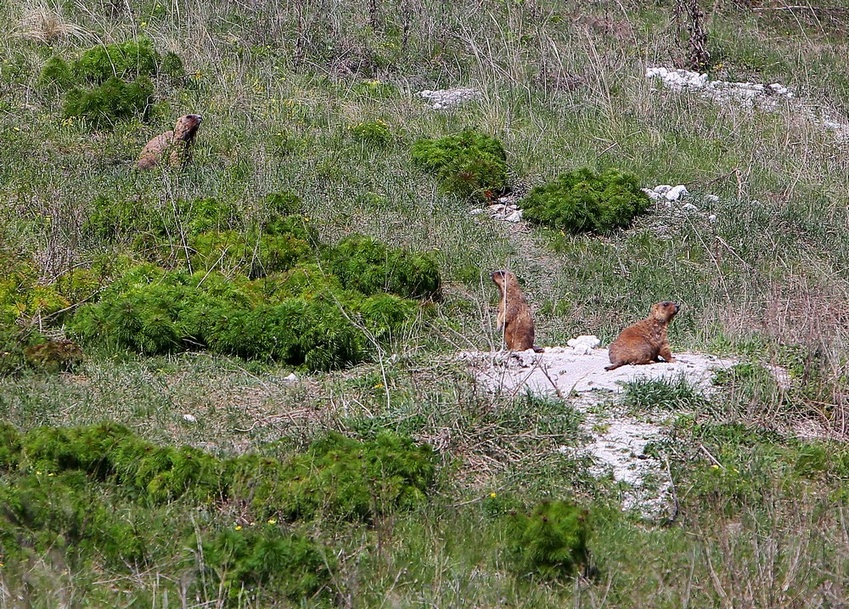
[
  {"x": 644, "y": 341},
  {"x": 514, "y": 314},
  {"x": 178, "y": 142}
]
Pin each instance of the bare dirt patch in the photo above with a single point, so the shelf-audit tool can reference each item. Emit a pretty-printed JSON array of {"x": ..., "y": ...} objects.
[{"x": 619, "y": 439}]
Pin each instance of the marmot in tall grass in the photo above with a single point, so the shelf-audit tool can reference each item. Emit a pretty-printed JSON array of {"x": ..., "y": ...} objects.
[
  {"x": 514, "y": 314},
  {"x": 177, "y": 144},
  {"x": 644, "y": 341}
]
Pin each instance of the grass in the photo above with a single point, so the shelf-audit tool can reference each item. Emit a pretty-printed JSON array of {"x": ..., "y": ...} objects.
[{"x": 321, "y": 101}]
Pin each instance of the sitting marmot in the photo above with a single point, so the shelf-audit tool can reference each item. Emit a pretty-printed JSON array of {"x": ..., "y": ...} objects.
[
  {"x": 644, "y": 341},
  {"x": 177, "y": 144},
  {"x": 514, "y": 314}
]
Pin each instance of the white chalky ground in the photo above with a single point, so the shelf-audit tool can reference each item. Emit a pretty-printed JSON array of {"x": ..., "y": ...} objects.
[{"x": 576, "y": 373}]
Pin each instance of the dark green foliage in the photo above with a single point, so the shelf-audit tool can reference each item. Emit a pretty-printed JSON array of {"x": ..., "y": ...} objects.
[
  {"x": 254, "y": 256},
  {"x": 10, "y": 446},
  {"x": 125, "y": 61},
  {"x": 469, "y": 164},
  {"x": 141, "y": 318},
  {"x": 13, "y": 341},
  {"x": 209, "y": 214},
  {"x": 289, "y": 564},
  {"x": 101, "y": 498},
  {"x": 586, "y": 201},
  {"x": 110, "y": 220},
  {"x": 368, "y": 266},
  {"x": 551, "y": 542},
  {"x": 186, "y": 472},
  {"x": 109, "y": 83},
  {"x": 172, "y": 66},
  {"x": 338, "y": 477},
  {"x": 303, "y": 317},
  {"x": 56, "y": 73},
  {"x": 358, "y": 480},
  {"x": 112, "y": 101},
  {"x": 283, "y": 203}
]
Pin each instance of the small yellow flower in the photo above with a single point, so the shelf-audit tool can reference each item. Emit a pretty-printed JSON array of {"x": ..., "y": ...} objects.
[
  {"x": 272, "y": 521},
  {"x": 714, "y": 466},
  {"x": 492, "y": 495},
  {"x": 378, "y": 386},
  {"x": 238, "y": 527},
  {"x": 143, "y": 24}
]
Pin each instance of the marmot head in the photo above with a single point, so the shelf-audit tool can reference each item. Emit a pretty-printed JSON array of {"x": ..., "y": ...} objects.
[
  {"x": 187, "y": 127},
  {"x": 664, "y": 311},
  {"x": 502, "y": 278}
]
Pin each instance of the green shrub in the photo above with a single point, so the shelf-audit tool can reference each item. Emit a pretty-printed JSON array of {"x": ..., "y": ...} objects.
[
  {"x": 586, "y": 201},
  {"x": 551, "y": 542},
  {"x": 371, "y": 132},
  {"x": 340, "y": 477},
  {"x": 368, "y": 266},
  {"x": 171, "y": 66},
  {"x": 297, "y": 319},
  {"x": 56, "y": 73},
  {"x": 468, "y": 164},
  {"x": 10, "y": 446},
  {"x": 112, "y": 101},
  {"x": 109, "y": 83},
  {"x": 247, "y": 558},
  {"x": 210, "y": 214},
  {"x": 336, "y": 475},
  {"x": 251, "y": 255},
  {"x": 126, "y": 61}
]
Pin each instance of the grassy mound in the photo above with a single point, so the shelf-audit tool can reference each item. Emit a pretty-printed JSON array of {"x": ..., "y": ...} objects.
[
  {"x": 586, "y": 201},
  {"x": 469, "y": 164}
]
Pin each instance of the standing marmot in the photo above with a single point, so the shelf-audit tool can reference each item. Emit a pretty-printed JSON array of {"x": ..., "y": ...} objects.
[
  {"x": 178, "y": 142},
  {"x": 514, "y": 314},
  {"x": 644, "y": 341}
]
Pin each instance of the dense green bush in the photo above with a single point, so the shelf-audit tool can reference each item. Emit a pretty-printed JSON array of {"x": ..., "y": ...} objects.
[
  {"x": 125, "y": 60},
  {"x": 468, "y": 164},
  {"x": 260, "y": 298},
  {"x": 288, "y": 564},
  {"x": 100, "y": 497},
  {"x": 251, "y": 255},
  {"x": 551, "y": 541},
  {"x": 368, "y": 266},
  {"x": 112, "y": 101},
  {"x": 336, "y": 476},
  {"x": 357, "y": 480},
  {"x": 371, "y": 132},
  {"x": 301, "y": 322},
  {"x": 109, "y": 83},
  {"x": 586, "y": 201}
]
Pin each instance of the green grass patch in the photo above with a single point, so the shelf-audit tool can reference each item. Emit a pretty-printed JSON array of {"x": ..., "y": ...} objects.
[
  {"x": 468, "y": 164},
  {"x": 586, "y": 201}
]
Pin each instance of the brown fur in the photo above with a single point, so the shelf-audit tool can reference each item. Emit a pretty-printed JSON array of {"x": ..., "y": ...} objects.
[
  {"x": 645, "y": 341},
  {"x": 177, "y": 144},
  {"x": 514, "y": 314}
]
